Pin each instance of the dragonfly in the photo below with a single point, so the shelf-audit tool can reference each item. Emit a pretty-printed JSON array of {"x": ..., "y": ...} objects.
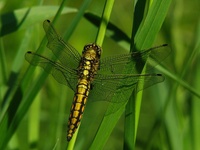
[{"x": 92, "y": 77}]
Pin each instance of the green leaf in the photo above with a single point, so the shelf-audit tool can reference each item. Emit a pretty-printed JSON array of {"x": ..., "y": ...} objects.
[
  {"x": 26, "y": 17},
  {"x": 143, "y": 39},
  {"x": 18, "y": 99},
  {"x": 109, "y": 121}
]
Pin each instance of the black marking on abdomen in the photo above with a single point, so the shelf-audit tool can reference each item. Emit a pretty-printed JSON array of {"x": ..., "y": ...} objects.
[{"x": 77, "y": 108}]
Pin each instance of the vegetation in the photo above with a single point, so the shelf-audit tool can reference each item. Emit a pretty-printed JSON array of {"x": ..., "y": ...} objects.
[{"x": 34, "y": 108}]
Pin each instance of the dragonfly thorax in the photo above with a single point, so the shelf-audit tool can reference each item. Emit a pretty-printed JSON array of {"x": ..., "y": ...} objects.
[
  {"x": 92, "y": 52},
  {"x": 89, "y": 63}
]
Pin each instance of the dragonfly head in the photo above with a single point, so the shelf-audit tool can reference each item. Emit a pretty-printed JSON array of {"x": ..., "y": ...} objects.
[{"x": 92, "y": 51}]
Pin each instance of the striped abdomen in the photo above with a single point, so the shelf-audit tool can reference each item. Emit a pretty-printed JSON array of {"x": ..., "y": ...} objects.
[
  {"x": 87, "y": 69},
  {"x": 78, "y": 107}
]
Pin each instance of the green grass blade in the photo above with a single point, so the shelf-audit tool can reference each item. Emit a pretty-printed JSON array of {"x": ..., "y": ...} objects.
[
  {"x": 26, "y": 17},
  {"x": 169, "y": 113},
  {"x": 74, "y": 23},
  {"x": 144, "y": 38},
  {"x": 158, "y": 23},
  {"x": 3, "y": 65},
  {"x": 104, "y": 22},
  {"x": 17, "y": 109},
  {"x": 112, "y": 31},
  {"x": 141, "y": 39},
  {"x": 195, "y": 122},
  {"x": 100, "y": 139},
  {"x": 148, "y": 31},
  {"x": 179, "y": 80},
  {"x": 77, "y": 19}
]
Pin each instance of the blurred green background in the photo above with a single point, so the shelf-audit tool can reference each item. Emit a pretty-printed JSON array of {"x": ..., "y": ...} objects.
[{"x": 169, "y": 115}]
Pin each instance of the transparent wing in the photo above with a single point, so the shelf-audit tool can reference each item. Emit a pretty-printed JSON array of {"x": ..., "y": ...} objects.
[
  {"x": 65, "y": 53},
  {"x": 116, "y": 64},
  {"x": 110, "y": 79},
  {"x": 105, "y": 87},
  {"x": 62, "y": 74}
]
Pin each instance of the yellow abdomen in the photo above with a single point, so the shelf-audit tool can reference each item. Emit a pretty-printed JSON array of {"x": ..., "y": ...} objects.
[
  {"x": 78, "y": 107},
  {"x": 88, "y": 67}
]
